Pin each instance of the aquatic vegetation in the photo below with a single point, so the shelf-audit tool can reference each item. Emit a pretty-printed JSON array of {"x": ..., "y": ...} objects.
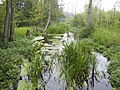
[
  {"x": 36, "y": 67},
  {"x": 75, "y": 62}
]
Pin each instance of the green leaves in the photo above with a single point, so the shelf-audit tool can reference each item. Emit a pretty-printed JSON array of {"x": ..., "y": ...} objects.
[
  {"x": 76, "y": 61},
  {"x": 11, "y": 57}
]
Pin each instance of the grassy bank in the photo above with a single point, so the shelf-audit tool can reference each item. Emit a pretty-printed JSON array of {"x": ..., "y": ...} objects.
[{"x": 108, "y": 42}]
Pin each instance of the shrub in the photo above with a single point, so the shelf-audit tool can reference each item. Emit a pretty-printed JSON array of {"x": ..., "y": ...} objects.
[{"x": 58, "y": 28}]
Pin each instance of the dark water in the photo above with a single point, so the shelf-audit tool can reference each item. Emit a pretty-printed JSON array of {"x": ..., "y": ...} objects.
[{"x": 52, "y": 77}]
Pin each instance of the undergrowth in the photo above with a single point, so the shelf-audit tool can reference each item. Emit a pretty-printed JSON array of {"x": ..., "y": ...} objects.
[{"x": 11, "y": 57}]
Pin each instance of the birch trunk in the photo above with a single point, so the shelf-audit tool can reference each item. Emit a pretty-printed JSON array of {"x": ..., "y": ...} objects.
[
  {"x": 88, "y": 23},
  {"x": 49, "y": 16},
  {"x": 48, "y": 21}
]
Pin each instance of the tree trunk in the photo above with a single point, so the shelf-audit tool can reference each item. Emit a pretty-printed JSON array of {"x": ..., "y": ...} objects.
[
  {"x": 114, "y": 12},
  {"x": 49, "y": 16},
  {"x": 7, "y": 22},
  {"x": 12, "y": 25},
  {"x": 88, "y": 23},
  {"x": 48, "y": 21}
]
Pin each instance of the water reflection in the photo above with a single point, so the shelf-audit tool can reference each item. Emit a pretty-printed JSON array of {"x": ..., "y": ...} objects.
[{"x": 100, "y": 80}]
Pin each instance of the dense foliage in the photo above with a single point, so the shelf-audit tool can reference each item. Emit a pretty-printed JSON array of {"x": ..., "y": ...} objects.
[{"x": 11, "y": 57}]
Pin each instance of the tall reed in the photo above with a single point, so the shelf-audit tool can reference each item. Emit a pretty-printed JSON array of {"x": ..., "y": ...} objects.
[{"x": 75, "y": 62}]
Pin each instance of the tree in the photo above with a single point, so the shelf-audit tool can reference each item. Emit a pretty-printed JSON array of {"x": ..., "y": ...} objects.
[
  {"x": 49, "y": 15},
  {"x": 12, "y": 24},
  {"x": 7, "y": 22},
  {"x": 2, "y": 18},
  {"x": 54, "y": 12},
  {"x": 24, "y": 12}
]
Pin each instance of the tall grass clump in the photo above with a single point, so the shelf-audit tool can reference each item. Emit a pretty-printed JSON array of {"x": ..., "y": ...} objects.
[
  {"x": 59, "y": 28},
  {"x": 75, "y": 62},
  {"x": 36, "y": 67},
  {"x": 106, "y": 37}
]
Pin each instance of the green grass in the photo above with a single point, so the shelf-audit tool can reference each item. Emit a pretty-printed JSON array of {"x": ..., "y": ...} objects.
[
  {"x": 106, "y": 37},
  {"x": 21, "y": 31},
  {"x": 59, "y": 28}
]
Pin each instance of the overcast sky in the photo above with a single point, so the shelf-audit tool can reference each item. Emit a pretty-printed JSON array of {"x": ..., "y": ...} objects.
[{"x": 77, "y": 6}]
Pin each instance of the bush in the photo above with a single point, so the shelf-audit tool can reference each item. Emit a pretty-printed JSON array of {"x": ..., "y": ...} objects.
[{"x": 58, "y": 28}]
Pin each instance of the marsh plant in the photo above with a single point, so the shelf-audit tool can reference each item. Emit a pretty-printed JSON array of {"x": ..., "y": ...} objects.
[
  {"x": 76, "y": 62},
  {"x": 36, "y": 67}
]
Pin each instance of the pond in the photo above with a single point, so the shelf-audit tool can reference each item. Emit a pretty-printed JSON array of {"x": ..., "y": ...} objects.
[{"x": 52, "y": 75}]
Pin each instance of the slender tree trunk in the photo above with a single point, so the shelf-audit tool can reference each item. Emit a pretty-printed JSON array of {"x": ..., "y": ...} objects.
[
  {"x": 48, "y": 21},
  {"x": 88, "y": 23},
  {"x": 7, "y": 22},
  {"x": 114, "y": 12},
  {"x": 49, "y": 15},
  {"x": 12, "y": 25}
]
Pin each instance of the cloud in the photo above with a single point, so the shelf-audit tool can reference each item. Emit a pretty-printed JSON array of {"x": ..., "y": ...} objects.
[{"x": 77, "y": 6}]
